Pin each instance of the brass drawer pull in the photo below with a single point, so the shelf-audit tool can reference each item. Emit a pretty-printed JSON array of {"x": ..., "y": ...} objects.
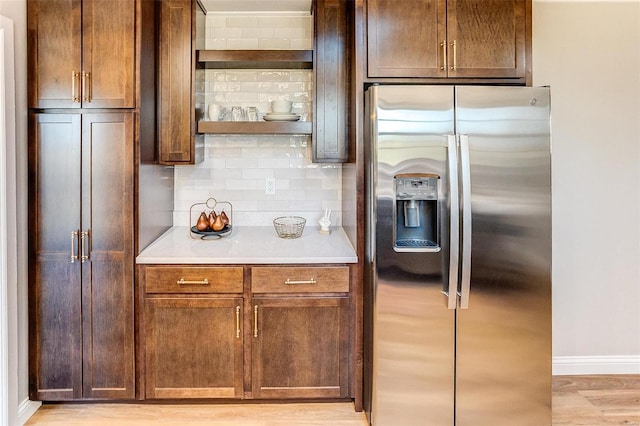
[
  {"x": 237, "y": 322},
  {"x": 75, "y": 76},
  {"x": 444, "y": 54},
  {"x": 86, "y": 86},
  {"x": 455, "y": 57},
  {"x": 84, "y": 235},
  {"x": 291, "y": 282},
  {"x": 74, "y": 254},
  {"x": 255, "y": 321},
  {"x": 182, "y": 281}
]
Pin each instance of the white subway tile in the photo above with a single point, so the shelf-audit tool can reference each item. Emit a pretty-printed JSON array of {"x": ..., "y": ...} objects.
[
  {"x": 301, "y": 43},
  {"x": 228, "y": 33},
  {"x": 282, "y": 184},
  {"x": 240, "y": 184},
  {"x": 242, "y": 21},
  {"x": 274, "y": 22},
  {"x": 273, "y": 75},
  {"x": 241, "y": 76},
  {"x": 290, "y": 194},
  {"x": 273, "y": 43},
  {"x": 257, "y": 174},
  {"x": 288, "y": 173},
  {"x": 252, "y": 33},
  {"x": 292, "y": 32},
  {"x": 242, "y": 97},
  {"x": 306, "y": 184},
  {"x": 240, "y": 163},
  {"x": 274, "y": 205},
  {"x": 273, "y": 163},
  {"x": 243, "y": 44},
  {"x": 215, "y": 19},
  {"x": 306, "y": 205}
]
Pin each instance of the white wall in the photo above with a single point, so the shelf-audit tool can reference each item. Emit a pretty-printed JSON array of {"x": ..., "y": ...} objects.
[
  {"x": 18, "y": 356},
  {"x": 589, "y": 53}
]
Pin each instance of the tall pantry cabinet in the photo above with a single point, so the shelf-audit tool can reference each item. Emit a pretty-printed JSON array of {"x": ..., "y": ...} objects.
[{"x": 82, "y": 135}]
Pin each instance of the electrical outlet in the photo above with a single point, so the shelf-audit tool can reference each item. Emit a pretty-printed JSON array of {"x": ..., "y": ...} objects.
[{"x": 270, "y": 186}]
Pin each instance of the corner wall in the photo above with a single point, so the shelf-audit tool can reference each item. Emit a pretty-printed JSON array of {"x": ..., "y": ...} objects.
[{"x": 589, "y": 53}]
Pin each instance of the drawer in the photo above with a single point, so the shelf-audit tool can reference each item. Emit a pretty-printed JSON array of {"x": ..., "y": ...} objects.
[
  {"x": 300, "y": 279},
  {"x": 193, "y": 279}
]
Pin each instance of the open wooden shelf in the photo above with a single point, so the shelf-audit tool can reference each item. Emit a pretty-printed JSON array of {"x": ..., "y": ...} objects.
[
  {"x": 256, "y": 59},
  {"x": 256, "y": 127}
]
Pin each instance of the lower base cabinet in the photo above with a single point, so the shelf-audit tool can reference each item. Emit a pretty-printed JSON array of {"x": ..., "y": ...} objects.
[
  {"x": 193, "y": 348},
  {"x": 300, "y": 347},
  {"x": 208, "y": 332}
]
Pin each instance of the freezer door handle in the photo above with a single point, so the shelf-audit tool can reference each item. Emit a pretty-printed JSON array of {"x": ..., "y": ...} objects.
[
  {"x": 454, "y": 220},
  {"x": 465, "y": 173}
]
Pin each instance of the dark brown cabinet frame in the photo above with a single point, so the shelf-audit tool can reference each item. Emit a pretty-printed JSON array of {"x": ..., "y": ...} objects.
[{"x": 315, "y": 326}]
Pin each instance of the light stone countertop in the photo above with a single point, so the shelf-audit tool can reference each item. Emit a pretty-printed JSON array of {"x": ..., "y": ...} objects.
[{"x": 249, "y": 244}]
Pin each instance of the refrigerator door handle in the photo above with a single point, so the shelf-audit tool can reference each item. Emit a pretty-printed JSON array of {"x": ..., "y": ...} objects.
[
  {"x": 454, "y": 220},
  {"x": 465, "y": 173}
]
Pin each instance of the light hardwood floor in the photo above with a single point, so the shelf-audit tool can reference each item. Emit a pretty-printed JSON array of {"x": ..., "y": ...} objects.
[{"x": 577, "y": 400}]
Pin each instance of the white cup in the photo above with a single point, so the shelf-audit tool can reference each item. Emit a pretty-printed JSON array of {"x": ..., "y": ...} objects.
[
  {"x": 214, "y": 112},
  {"x": 281, "y": 107}
]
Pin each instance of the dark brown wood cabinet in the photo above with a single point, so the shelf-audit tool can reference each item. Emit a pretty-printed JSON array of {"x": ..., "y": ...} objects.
[
  {"x": 80, "y": 254},
  {"x": 448, "y": 38},
  {"x": 193, "y": 347},
  {"x": 176, "y": 62},
  {"x": 207, "y": 332},
  {"x": 300, "y": 347},
  {"x": 300, "y": 341},
  {"x": 193, "y": 340},
  {"x": 331, "y": 70},
  {"x": 81, "y": 53}
]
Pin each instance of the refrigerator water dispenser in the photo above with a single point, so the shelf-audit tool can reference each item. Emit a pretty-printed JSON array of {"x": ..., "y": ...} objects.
[{"x": 416, "y": 213}]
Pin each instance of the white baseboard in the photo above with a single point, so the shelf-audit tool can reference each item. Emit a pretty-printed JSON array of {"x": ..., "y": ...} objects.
[
  {"x": 586, "y": 365},
  {"x": 26, "y": 409}
]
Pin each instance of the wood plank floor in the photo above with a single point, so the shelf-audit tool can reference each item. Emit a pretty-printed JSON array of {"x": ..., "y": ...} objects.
[{"x": 577, "y": 400}]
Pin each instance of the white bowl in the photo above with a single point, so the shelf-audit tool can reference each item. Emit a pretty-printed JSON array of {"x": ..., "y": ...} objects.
[{"x": 283, "y": 107}]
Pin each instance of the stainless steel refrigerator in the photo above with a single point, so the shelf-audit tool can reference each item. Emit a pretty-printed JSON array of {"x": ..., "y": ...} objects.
[{"x": 458, "y": 265}]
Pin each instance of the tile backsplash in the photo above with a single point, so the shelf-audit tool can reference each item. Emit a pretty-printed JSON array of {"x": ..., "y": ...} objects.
[
  {"x": 236, "y": 167},
  {"x": 266, "y": 30}
]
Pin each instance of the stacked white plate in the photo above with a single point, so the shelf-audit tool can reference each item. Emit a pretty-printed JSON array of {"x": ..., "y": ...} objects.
[{"x": 279, "y": 116}]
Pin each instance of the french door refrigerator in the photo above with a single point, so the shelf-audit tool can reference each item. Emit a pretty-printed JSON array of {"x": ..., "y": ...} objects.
[{"x": 458, "y": 265}]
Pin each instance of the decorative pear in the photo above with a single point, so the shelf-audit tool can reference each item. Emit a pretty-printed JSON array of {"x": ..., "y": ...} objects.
[
  {"x": 203, "y": 222},
  {"x": 218, "y": 224},
  {"x": 225, "y": 218},
  {"x": 212, "y": 218}
]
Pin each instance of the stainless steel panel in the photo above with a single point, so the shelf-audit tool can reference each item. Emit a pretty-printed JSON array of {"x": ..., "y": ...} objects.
[
  {"x": 503, "y": 341},
  {"x": 413, "y": 334}
]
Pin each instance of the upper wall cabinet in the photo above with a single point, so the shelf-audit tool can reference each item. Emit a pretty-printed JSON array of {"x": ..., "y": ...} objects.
[
  {"x": 447, "y": 38},
  {"x": 176, "y": 59},
  {"x": 331, "y": 71},
  {"x": 82, "y": 53}
]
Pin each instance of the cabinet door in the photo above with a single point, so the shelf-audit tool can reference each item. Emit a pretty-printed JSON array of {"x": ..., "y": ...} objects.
[
  {"x": 405, "y": 38},
  {"x": 174, "y": 79},
  {"x": 54, "y": 288},
  {"x": 108, "y": 53},
  {"x": 107, "y": 241},
  {"x": 330, "y": 119},
  {"x": 486, "y": 38},
  {"x": 193, "y": 347},
  {"x": 300, "y": 347},
  {"x": 55, "y": 42}
]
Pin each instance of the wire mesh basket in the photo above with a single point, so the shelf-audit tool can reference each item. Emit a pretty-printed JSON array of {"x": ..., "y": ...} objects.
[{"x": 289, "y": 226}]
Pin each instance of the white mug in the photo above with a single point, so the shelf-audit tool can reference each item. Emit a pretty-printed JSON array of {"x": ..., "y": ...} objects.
[{"x": 214, "y": 112}]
